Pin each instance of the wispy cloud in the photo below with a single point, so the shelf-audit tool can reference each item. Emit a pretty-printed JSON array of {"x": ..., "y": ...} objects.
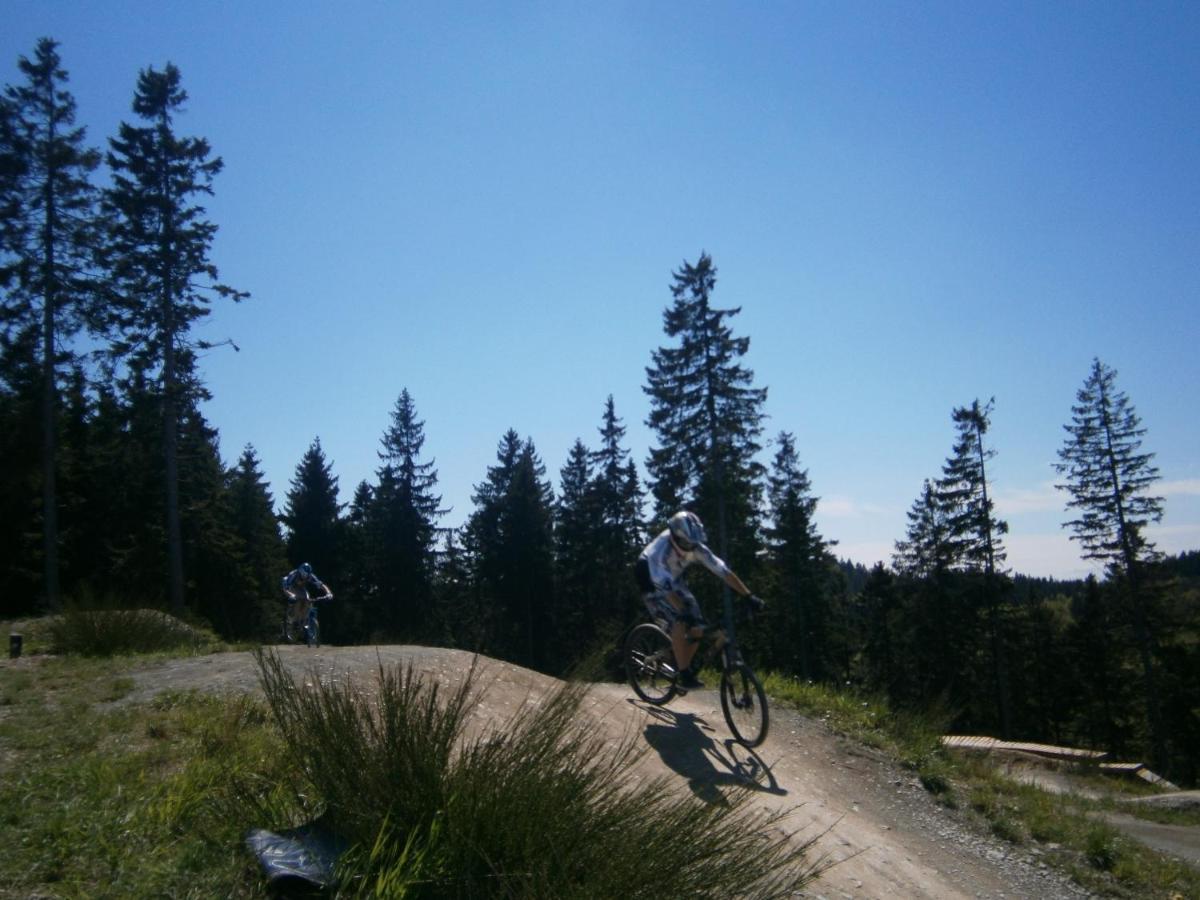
[
  {"x": 1048, "y": 556},
  {"x": 1044, "y": 497},
  {"x": 1184, "y": 487}
]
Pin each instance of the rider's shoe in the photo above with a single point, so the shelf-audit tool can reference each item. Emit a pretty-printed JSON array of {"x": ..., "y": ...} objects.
[{"x": 689, "y": 682}]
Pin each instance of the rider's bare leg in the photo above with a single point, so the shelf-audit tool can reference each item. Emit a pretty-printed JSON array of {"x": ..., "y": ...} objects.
[{"x": 684, "y": 643}]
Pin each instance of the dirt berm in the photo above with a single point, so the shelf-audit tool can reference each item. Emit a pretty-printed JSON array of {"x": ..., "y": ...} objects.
[{"x": 885, "y": 835}]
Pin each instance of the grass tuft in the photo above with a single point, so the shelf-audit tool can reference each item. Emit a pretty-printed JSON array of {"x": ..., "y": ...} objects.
[{"x": 117, "y": 632}]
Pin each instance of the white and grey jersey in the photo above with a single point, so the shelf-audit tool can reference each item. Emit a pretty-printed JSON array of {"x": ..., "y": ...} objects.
[{"x": 667, "y": 562}]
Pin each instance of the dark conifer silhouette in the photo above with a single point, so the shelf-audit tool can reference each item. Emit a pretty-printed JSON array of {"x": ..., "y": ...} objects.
[
  {"x": 48, "y": 236},
  {"x": 158, "y": 256}
]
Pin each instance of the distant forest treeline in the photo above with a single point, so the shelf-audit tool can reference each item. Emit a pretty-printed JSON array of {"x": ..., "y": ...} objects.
[{"x": 115, "y": 491}]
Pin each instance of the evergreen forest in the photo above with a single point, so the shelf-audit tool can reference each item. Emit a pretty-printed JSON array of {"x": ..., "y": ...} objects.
[{"x": 116, "y": 495}]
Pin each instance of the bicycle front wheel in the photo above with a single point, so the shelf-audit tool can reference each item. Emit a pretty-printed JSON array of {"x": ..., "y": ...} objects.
[
  {"x": 745, "y": 705},
  {"x": 650, "y": 664},
  {"x": 312, "y": 633}
]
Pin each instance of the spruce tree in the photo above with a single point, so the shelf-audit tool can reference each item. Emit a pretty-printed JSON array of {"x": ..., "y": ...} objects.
[
  {"x": 510, "y": 540},
  {"x": 939, "y": 624},
  {"x": 799, "y": 619},
  {"x": 974, "y": 533},
  {"x": 402, "y": 523},
  {"x": 158, "y": 256},
  {"x": 707, "y": 417},
  {"x": 576, "y": 540},
  {"x": 262, "y": 556},
  {"x": 926, "y": 550},
  {"x": 49, "y": 233},
  {"x": 1108, "y": 478},
  {"x": 312, "y": 515},
  {"x": 213, "y": 554},
  {"x": 358, "y": 618},
  {"x": 617, "y": 496}
]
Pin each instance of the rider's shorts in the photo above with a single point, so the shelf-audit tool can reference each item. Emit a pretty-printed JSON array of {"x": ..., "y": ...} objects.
[{"x": 659, "y": 605}]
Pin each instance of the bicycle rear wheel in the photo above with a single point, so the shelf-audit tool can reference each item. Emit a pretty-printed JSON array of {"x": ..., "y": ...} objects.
[
  {"x": 745, "y": 705},
  {"x": 291, "y": 631},
  {"x": 650, "y": 664}
]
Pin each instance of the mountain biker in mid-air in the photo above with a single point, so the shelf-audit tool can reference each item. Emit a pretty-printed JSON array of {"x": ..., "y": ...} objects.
[
  {"x": 659, "y": 570},
  {"x": 297, "y": 585}
]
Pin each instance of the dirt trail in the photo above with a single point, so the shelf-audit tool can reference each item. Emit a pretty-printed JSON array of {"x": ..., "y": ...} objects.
[{"x": 884, "y": 834}]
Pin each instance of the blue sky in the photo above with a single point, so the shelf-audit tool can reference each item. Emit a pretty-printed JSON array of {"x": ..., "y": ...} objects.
[{"x": 915, "y": 205}]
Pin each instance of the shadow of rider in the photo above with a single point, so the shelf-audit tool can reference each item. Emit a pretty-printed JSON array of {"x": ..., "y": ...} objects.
[{"x": 684, "y": 742}]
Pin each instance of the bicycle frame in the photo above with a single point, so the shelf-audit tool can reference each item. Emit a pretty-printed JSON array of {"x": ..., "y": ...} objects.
[
  {"x": 650, "y": 670},
  {"x": 308, "y": 625}
]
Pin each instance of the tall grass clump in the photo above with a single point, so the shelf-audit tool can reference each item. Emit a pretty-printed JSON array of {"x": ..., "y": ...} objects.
[
  {"x": 536, "y": 807},
  {"x": 114, "y": 632}
]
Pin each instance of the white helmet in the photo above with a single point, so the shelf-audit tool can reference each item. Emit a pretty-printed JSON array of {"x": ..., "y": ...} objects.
[{"x": 687, "y": 530}]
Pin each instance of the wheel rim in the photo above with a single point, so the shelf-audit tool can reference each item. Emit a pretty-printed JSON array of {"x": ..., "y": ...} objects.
[
  {"x": 744, "y": 705},
  {"x": 649, "y": 664}
]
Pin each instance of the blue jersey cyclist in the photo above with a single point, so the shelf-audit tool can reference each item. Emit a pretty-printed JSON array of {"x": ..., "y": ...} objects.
[
  {"x": 298, "y": 586},
  {"x": 659, "y": 572}
]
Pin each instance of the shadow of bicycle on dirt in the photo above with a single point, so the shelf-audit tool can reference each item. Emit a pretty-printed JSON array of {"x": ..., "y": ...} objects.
[{"x": 685, "y": 743}]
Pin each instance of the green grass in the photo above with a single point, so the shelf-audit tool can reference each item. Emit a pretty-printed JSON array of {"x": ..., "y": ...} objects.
[{"x": 100, "y": 799}]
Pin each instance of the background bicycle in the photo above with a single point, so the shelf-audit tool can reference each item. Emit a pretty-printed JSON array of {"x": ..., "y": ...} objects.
[
  {"x": 652, "y": 673},
  {"x": 307, "y": 627}
]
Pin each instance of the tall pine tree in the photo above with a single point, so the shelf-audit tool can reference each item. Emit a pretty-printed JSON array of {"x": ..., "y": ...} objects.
[
  {"x": 576, "y": 538},
  {"x": 974, "y": 533},
  {"x": 510, "y": 542},
  {"x": 402, "y": 524},
  {"x": 48, "y": 239},
  {"x": 158, "y": 255},
  {"x": 707, "y": 417},
  {"x": 261, "y": 552},
  {"x": 617, "y": 498},
  {"x": 1108, "y": 478},
  {"x": 926, "y": 550},
  {"x": 973, "y": 530},
  {"x": 313, "y": 516},
  {"x": 799, "y": 619}
]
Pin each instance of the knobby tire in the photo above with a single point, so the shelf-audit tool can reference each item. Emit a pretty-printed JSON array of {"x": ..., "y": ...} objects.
[
  {"x": 650, "y": 664},
  {"x": 744, "y": 703}
]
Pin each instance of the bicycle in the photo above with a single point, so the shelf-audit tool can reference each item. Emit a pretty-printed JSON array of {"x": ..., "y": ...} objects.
[
  {"x": 309, "y": 630},
  {"x": 652, "y": 673}
]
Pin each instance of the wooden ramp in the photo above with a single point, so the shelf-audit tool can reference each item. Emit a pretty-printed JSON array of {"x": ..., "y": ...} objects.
[
  {"x": 1065, "y": 754},
  {"x": 989, "y": 744}
]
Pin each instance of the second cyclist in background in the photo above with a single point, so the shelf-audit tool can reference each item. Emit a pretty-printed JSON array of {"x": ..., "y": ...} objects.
[
  {"x": 659, "y": 570},
  {"x": 300, "y": 586}
]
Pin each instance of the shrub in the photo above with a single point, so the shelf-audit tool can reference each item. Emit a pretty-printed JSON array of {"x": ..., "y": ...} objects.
[{"x": 113, "y": 632}]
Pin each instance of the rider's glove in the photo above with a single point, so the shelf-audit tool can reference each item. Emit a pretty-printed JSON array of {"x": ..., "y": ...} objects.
[{"x": 756, "y": 603}]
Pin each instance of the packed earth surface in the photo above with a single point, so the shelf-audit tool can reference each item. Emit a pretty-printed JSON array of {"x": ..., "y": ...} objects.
[{"x": 874, "y": 828}]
